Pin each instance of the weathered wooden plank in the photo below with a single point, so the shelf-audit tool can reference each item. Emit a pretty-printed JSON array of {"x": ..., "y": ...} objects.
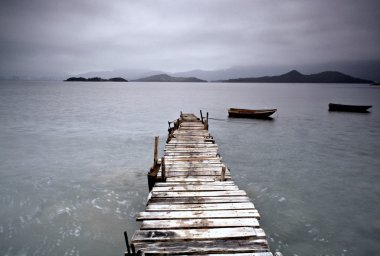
[
  {"x": 203, "y": 193},
  {"x": 193, "y": 173},
  {"x": 193, "y": 164},
  {"x": 195, "y": 188},
  {"x": 198, "y": 214},
  {"x": 193, "y": 179},
  {"x": 199, "y": 223},
  {"x": 241, "y": 254},
  {"x": 197, "y": 234},
  {"x": 184, "y": 144},
  {"x": 196, "y": 167},
  {"x": 203, "y": 247},
  {"x": 215, "y": 183},
  {"x": 199, "y": 200},
  {"x": 192, "y": 153},
  {"x": 200, "y": 207},
  {"x": 192, "y": 158}
]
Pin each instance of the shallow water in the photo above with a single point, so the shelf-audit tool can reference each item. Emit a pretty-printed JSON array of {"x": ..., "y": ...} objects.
[{"x": 73, "y": 159}]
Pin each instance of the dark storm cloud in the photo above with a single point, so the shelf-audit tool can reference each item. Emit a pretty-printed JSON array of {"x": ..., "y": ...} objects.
[{"x": 42, "y": 37}]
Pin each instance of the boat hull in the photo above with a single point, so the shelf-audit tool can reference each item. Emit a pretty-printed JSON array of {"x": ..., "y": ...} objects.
[
  {"x": 348, "y": 108},
  {"x": 248, "y": 113}
]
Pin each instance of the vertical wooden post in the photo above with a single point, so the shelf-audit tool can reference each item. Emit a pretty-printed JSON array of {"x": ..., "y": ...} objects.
[
  {"x": 201, "y": 116},
  {"x": 206, "y": 123},
  {"x": 127, "y": 242},
  {"x": 223, "y": 176},
  {"x": 133, "y": 249},
  {"x": 155, "y": 150},
  {"x": 163, "y": 174}
]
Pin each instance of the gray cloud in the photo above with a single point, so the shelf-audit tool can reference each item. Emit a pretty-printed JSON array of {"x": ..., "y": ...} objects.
[{"x": 44, "y": 37}]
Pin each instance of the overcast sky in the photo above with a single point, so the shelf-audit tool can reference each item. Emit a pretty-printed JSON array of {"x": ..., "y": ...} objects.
[{"x": 45, "y": 37}]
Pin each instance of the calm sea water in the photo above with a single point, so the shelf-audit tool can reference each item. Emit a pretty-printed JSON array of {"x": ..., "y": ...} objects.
[{"x": 74, "y": 157}]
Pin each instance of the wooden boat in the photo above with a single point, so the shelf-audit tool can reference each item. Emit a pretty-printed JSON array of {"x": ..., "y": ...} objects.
[
  {"x": 349, "y": 108},
  {"x": 250, "y": 113}
]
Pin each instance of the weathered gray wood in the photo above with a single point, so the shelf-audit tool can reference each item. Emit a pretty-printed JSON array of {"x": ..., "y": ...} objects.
[
  {"x": 223, "y": 175},
  {"x": 199, "y": 223},
  {"x": 200, "y": 207},
  {"x": 199, "y": 200},
  {"x": 205, "y": 193},
  {"x": 192, "y": 179},
  {"x": 195, "y": 188},
  {"x": 194, "y": 165},
  {"x": 202, "y": 247},
  {"x": 193, "y": 173},
  {"x": 163, "y": 170},
  {"x": 192, "y": 158},
  {"x": 198, "y": 214},
  {"x": 156, "y": 140},
  {"x": 216, "y": 183},
  {"x": 197, "y": 234},
  {"x": 241, "y": 254}
]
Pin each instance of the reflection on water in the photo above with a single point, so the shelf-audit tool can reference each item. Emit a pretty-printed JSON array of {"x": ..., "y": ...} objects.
[{"x": 73, "y": 158}]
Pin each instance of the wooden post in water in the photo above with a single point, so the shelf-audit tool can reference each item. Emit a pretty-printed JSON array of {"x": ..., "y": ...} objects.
[
  {"x": 206, "y": 123},
  {"x": 156, "y": 140},
  {"x": 223, "y": 176},
  {"x": 201, "y": 116},
  {"x": 127, "y": 242},
  {"x": 163, "y": 177}
]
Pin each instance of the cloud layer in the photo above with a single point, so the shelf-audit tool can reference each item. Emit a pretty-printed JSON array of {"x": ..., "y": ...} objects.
[{"x": 47, "y": 37}]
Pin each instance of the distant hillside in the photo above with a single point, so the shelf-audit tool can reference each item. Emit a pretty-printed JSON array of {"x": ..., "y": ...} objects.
[
  {"x": 95, "y": 79},
  {"x": 296, "y": 77},
  {"x": 167, "y": 78}
]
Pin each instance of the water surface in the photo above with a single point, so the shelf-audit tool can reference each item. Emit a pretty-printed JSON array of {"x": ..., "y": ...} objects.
[{"x": 74, "y": 157}]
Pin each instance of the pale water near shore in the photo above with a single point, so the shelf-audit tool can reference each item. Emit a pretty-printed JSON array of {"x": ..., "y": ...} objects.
[{"x": 73, "y": 159}]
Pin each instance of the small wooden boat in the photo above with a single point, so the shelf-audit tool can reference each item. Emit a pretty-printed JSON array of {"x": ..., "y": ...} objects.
[
  {"x": 348, "y": 108},
  {"x": 250, "y": 113}
]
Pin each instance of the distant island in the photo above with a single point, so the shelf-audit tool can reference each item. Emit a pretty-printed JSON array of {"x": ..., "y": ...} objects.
[
  {"x": 296, "y": 77},
  {"x": 95, "y": 79},
  {"x": 167, "y": 78}
]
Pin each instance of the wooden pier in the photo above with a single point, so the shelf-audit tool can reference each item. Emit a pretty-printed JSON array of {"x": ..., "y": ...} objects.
[{"x": 194, "y": 207}]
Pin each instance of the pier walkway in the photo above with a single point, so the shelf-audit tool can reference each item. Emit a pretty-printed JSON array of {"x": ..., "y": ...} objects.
[{"x": 194, "y": 207}]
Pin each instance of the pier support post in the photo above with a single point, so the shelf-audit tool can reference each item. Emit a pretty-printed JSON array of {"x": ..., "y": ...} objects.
[
  {"x": 206, "y": 123},
  {"x": 223, "y": 175},
  {"x": 201, "y": 116},
  {"x": 156, "y": 140},
  {"x": 163, "y": 174},
  {"x": 127, "y": 242}
]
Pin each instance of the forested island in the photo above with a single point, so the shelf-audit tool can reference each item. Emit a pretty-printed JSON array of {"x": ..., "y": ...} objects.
[{"x": 95, "y": 79}]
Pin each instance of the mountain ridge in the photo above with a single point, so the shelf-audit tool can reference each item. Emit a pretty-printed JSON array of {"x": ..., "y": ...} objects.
[
  {"x": 168, "y": 78},
  {"x": 295, "y": 76}
]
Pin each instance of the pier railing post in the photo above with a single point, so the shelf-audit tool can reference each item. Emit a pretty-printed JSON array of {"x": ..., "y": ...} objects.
[{"x": 201, "y": 116}]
